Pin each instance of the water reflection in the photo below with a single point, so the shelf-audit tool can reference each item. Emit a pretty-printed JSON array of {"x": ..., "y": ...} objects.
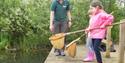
[{"x": 37, "y": 56}]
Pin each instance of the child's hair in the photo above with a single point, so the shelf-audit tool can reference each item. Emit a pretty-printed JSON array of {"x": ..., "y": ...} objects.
[{"x": 97, "y": 3}]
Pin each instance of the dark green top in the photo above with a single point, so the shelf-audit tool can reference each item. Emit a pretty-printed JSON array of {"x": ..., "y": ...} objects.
[{"x": 60, "y": 10}]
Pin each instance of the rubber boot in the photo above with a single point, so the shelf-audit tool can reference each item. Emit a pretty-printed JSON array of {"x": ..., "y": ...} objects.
[{"x": 90, "y": 57}]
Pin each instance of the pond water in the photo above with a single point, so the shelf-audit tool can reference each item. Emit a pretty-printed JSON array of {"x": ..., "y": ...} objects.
[{"x": 36, "y": 56}]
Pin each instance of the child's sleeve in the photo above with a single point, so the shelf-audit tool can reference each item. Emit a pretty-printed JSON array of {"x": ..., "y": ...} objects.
[{"x": 107, "y": 20}]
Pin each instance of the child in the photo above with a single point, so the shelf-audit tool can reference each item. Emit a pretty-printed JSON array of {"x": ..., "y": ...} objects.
[
  {"x": 90, "y": 52},
  {"x": 97, "y": 26}
]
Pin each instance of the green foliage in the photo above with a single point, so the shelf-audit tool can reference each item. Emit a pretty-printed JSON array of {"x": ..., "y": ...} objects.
[
  {"x": 27, "y": 21},
  {"x": 80, "y": 18}
]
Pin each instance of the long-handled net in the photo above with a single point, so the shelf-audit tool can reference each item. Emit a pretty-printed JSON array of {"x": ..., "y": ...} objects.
[
  {"x": 57, "y": 40},
  {"x": 71, "y": 47}
]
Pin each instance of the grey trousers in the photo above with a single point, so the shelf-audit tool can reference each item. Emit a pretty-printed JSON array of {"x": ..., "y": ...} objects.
[
  {"x": 60, "y": 27},
  {"x": 89, "y": 44}
]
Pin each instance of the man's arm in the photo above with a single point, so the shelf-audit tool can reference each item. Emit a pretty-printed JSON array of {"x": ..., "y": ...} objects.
[
  {"x": 51, "y": 20},
  {"x": 69, "y": 18},
  {"x": 69, "y": 15},
  {"x": 51, "y": 17},
  {"x": 52, "y": 8}
]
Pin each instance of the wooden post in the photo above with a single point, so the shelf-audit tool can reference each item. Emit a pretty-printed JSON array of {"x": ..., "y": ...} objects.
[
  {"x": 108, "y": 42},
  {"x": 121, "y": 42}
]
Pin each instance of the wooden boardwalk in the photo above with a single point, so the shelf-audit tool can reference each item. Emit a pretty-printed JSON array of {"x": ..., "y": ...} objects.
[{"x": 81, "y": 53}]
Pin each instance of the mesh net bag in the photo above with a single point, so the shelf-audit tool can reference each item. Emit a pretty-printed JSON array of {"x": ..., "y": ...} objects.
[
  {"x": 71, "y": 50},
  {"x": 57, "y": 40}
]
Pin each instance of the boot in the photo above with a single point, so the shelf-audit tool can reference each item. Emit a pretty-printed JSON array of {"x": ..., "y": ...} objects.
[{"x": 90, "y": 57}]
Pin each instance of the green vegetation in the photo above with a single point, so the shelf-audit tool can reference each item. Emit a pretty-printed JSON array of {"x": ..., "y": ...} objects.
[{"x": 25, "y": 23}]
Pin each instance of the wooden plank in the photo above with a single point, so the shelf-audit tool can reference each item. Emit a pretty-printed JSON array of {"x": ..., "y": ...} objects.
[
  {"x": 121, "y": 42},
  {"x": 81, "y": 53}
]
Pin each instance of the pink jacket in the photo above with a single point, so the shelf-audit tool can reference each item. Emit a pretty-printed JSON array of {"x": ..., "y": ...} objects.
[{"x": 99, "y": 21}]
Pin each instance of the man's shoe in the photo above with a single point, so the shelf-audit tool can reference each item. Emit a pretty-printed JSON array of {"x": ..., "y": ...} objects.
[
  {"x": 56, "y": 53},
  {"x": 62, "y": 53}
]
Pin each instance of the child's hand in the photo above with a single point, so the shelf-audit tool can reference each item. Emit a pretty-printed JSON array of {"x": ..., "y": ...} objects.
[
  {"x": 86, "y": 30},
  {"x": 102, "y": 27}
]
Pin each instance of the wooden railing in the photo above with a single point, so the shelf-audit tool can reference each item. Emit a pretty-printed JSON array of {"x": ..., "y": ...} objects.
[{"x": 121, "y": 41}]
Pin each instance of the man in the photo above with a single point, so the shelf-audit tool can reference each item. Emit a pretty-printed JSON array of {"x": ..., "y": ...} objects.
[{"x": 60, "y": 19}]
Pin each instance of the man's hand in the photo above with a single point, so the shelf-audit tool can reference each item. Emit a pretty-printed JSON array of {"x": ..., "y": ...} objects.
[
  {"x": 51, "y": 27},
  {"x": 70, "y": 24}
]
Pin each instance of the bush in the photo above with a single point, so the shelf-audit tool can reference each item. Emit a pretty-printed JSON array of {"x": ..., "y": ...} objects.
[{"x": 27, "y": 21}]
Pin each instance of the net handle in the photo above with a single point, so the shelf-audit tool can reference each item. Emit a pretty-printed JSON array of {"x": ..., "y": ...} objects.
[
  {"x": 75, "y": 40},
  {"x": 117, "y": 23}
]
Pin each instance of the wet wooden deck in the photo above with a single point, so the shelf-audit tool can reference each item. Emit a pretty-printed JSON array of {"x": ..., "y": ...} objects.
[{"x": 81, "y": 53}]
